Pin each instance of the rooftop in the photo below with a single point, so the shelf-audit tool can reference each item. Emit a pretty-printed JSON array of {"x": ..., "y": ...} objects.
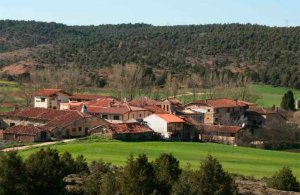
[
  {"x": 23, "y": 130},
  {"x": 129, "y": 128},
  {"x": 220, "y": 128},
  {"x": 48, "y": 92},
  {"x": 170, "y": 118},
  {"x": 221, "y": 103},
  {"x": 87, "y": 97}
]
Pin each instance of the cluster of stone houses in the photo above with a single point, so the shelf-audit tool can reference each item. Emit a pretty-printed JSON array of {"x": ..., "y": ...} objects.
[{"x": 58, "y": 114}]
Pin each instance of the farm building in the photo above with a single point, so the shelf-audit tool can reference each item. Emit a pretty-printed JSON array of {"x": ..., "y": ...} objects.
[
  {"x": 258, "y": 117},
  {"x": 218, "y": 111},
  {"x": 60, "y": 123},
  {"x": 26, "y": 134},
  {"x": 50, "y": 98},
  {"x": 219, "y": 133},
  {"x": 168, "y": 125}
]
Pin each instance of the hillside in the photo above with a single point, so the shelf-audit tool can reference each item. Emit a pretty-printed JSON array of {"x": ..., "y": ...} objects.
[
  {"x": 270, "y": 55},
  {"x": 246, "y": 161}
]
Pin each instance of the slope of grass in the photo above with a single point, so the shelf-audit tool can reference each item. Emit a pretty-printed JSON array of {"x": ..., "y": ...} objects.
[
  {"x": 271, "y": 95},
  {"x": 246, "y": 161}
]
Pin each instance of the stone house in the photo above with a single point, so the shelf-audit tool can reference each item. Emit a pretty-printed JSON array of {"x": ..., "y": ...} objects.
[
  {"x": 26, "y": 134},
  {"x": 60, "y": 123},
  {"x": 50, "y": 98},
  {"x": 219, "y": 133},
  {"x": 168, "y": 125},
  {"x": 218, "y": 111},
  {"x": 258, "y": 117}
]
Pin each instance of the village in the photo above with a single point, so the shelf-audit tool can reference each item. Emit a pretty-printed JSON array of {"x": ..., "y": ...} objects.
[{"x": 58, "y": 115}]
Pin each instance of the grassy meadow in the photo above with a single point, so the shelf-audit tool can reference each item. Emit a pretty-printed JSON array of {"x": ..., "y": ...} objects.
[{"x": 246, "y": 161}]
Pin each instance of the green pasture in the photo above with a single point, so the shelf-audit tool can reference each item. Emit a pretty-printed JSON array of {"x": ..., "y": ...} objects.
[{"x": 246, "y": 161}]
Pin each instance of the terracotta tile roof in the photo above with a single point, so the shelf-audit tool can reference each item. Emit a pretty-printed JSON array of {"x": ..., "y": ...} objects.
[
  {"x": 170, "y": 118},
  {"x": 220, "y": 128},
  {"x": 174, "y": 101},
  {"x": 129, "y": 128},
  {"x": 260, "y": 110},
  {"x": 48, "y": 92},
  {"x": 23, "y": 130},
  {"x": 107, "y": 102},
  {"x": 52, "y": 118},
  {"x": 221, "y": 103},
  {"x": 156, "y": 110},
  {"x": 88, "y": 97}
]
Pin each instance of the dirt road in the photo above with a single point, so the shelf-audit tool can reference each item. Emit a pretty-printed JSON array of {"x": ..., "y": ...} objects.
[{"x": 36, "y": 145}]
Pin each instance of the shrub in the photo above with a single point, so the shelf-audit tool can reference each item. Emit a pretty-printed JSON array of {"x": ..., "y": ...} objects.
[{"x": 284, "y": 180}]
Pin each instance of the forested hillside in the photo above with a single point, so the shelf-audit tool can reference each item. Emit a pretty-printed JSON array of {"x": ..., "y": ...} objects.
[{"x": 264, "y": 54}]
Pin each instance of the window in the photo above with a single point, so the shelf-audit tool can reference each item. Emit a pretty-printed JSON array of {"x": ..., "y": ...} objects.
[
  {"x": 217, "y": 119},
  {"x": 167, "y": 107},
  {"x": 43, "y": 99},
  {"x": 140, "y": 115},
  {"x": 74, "y": 129},
  {"x": 104, "y": 116},
  {"x": 12, "y": 124},
  {"x": 116, "y": 117},
  {"x": 79, "y": 129},
  {"x": 208, "y": 110}
]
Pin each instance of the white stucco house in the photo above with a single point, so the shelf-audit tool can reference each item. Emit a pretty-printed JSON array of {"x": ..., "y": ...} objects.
[
  {"x": 50, "y": 98},
  {"x": 165, "y": 124}
]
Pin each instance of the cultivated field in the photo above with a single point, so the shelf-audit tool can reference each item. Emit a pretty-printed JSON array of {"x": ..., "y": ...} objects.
[{"x": 246, "y": 161}]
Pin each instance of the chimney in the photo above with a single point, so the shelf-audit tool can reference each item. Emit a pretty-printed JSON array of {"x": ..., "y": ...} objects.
[{"x": 84, "y": 109}]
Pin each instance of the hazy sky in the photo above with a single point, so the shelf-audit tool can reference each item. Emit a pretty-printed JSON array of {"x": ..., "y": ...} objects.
[{"x": 157, "y": 12}]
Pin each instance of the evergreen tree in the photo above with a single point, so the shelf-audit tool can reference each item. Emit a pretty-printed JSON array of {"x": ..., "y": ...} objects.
[
  {"x": 167, "y": 171},
  {"x": 12, "y": 174},
  {"x": 138, "y": 176},
  {"x": 288, "y": 101}
]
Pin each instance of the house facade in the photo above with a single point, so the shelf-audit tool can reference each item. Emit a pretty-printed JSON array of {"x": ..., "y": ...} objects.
[
  {"x": 26, "y": 134},
  {"x": 168, "y": 125},
  {"x": 297, "y": 104},
  {"x": 218, "y": 111},
  {"x": 50, "y": 98},
  {"x": 60, "y": 123}
]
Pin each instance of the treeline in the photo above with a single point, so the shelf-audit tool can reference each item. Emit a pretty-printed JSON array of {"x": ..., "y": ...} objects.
[
  {"x": 47, "y": 172},
  {"x": 264, "y": 54}
]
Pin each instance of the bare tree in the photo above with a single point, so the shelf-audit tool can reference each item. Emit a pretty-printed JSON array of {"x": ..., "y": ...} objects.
[{"x": 127, "y": 80}]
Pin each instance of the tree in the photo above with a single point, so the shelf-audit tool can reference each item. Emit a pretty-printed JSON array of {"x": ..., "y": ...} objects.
[
  {"x": 186, "y": 183},
  {"x": 288, "y": 101},
  {"x": 45, "y": 173},
  {"x": 167, "y": 171},
  {"x": 101, "y": 180},
  {"x": 213, "y": 180},
  {"x": 284, "y": 180},
  {"x": 138, "y": 176},
  {"x": 12, "y": 174}
]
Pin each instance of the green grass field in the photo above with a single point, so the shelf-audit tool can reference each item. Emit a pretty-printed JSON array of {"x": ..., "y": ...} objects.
[
  {"x": 271, "y": 95},
  {"x": 246, "y": 161}
]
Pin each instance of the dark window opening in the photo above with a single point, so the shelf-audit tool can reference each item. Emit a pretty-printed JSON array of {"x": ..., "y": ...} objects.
[
  {"x": 43, "y": 99},
  {"x": 116, "y": 117},
  {"x": 104, "y": 116}
]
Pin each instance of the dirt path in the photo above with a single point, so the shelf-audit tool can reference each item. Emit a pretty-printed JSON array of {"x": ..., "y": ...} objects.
[{"x": 36, "y": 145}]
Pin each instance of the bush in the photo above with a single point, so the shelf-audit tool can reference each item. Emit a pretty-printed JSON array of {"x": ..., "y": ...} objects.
[{"x": 284, "y": 180}]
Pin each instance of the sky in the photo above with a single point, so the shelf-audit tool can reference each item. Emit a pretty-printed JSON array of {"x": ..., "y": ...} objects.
[{"x": 156, "y": 12}]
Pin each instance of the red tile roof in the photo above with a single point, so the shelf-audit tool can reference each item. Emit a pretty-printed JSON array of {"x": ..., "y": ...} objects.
[
  {"x": 88, "y": 97},
  {"x": 221, "y": 103},
  {"x": 48, "y": 92},
  {"x": 220, "y": 128},
  {"x": 23, "y": 130},
  {"x": 156, "y": 110},
  {"x": 129, "y": 128},
  {"x": 52, "y": 118},
  {"x": 170, "y": 118}
]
